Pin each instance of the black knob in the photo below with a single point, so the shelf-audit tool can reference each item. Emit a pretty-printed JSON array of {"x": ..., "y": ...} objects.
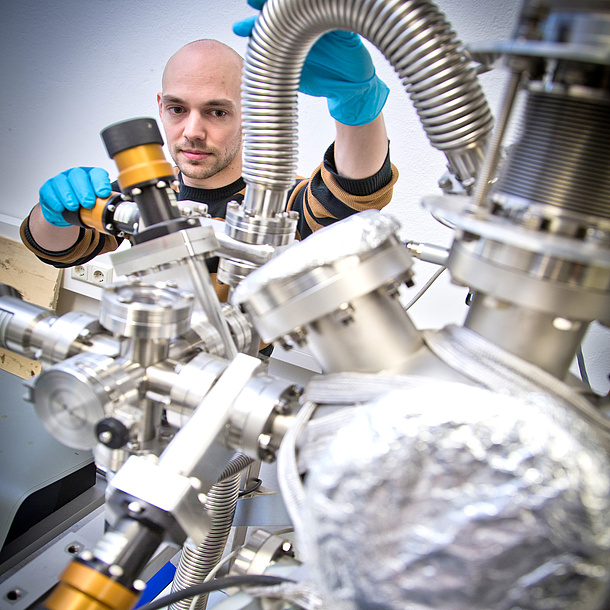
[
  {"x": 129, "y": 134},
  {"x": 111, "y": 432}
]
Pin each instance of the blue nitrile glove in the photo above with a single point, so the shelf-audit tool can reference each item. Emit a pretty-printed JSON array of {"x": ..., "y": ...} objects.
[
  {"x": 339, "y": 68},
  {"x": 71, "y": 189}
]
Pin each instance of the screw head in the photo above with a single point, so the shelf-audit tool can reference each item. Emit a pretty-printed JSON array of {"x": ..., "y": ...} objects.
[
  {"x": 135, "y": 507},
  {"x": 265, "y": 448},
  {"x": 115, "y": 570},
  {"x": 105, "y": 437}
]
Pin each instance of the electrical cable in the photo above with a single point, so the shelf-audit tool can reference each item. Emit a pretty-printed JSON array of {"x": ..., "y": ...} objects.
[
  {"x": 250, "y": 490},
  {"x": 212, "y": 574},
  {"x": 255, "y": 580},
  {"x": 425, "y": 287},
  {"x": 580, "y": 358},
  {"x": 288, "y": 530},
  {"x": 219, "y": 565},
  {"x": 444, "y": 222}
]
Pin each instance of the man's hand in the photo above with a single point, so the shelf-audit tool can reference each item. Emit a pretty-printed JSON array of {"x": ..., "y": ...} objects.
[
  {"x": 79, "y": 186},
  {"x": 339, "y": 68}
]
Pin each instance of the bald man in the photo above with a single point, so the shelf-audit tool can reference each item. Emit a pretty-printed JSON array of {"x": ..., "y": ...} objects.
[{"x": 200, "y": 109}]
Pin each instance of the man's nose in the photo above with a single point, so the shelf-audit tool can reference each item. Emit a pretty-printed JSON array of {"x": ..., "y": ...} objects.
[{"x": 194, "y": 128}]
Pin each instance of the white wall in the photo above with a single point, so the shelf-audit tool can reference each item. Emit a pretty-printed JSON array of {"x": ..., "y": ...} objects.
[{"x": 70, "y": 68}]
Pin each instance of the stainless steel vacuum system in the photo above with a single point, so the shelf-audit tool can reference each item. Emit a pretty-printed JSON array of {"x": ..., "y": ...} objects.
[{"x": 461, "y": 467}]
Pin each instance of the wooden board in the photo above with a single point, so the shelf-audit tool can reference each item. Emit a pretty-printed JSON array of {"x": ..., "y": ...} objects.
[{"x": 38, "y": 283}]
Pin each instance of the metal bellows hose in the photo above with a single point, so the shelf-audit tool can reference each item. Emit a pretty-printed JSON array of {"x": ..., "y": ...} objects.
[
  {"x": 196, "y": 564},
  {"x": 417, "y": 41}
]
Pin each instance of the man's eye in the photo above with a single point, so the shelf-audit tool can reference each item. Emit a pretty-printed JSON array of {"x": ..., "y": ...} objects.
[
  {"x": 175, "y": 110},
  {"x": 219, "y": 113}
]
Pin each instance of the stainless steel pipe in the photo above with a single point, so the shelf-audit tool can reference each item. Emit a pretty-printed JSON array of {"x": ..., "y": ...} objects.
[{"x": 417, "y": 41}]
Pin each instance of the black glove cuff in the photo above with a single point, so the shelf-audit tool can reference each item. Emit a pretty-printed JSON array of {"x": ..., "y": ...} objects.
[
  {"x": 30, "y": 239},
  {"x": 363, "y": 186}
]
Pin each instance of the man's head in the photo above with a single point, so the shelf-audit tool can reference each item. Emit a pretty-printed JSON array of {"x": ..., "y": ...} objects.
[{"x": 200, "y": 108}]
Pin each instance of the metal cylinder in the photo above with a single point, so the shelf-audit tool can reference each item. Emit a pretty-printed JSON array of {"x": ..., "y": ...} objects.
[
  {"x": 512, "y": 327},
  {"x": 23, "y": 326},
  {"x": 373, "y": 334},
  {"x": 146, "y": 311},
  {"x": 73, "y": 395},
  {"x": 39, "y": 333},
  {"x": 337, "y": 292}
]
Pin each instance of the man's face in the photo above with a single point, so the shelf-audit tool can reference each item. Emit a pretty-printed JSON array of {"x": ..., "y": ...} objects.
[{"x": 201, "y": 115}]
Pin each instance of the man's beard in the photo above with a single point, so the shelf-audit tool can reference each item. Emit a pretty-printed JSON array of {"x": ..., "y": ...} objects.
[{"x": 200, "y": 170}]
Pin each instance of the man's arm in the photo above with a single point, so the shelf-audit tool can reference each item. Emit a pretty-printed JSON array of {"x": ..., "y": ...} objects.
[
  {"x": 360, "y": 150},
  {"x": 339, "y": 68},
  {"x": 50, "y": 237},
  {"x": 365, "y": 180}
]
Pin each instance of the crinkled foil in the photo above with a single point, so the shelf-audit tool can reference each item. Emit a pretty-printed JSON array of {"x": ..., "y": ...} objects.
[
  {"x": 352, "y": 236},
  {"x": 454, "y": 497}
]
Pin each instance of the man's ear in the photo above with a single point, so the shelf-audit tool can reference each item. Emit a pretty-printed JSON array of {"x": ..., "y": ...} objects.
[{"x": 159, "y": 103}]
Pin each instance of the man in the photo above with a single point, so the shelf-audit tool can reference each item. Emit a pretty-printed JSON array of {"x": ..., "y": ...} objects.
[{"x": 200, "y": 109}]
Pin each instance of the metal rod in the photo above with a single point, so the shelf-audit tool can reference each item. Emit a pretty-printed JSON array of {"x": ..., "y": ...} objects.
[{"x": 493, "y": 151}]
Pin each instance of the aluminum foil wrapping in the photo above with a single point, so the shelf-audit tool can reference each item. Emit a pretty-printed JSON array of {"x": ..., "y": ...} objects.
[
  {"x": 448, "y": 496},
  {"x": 352, "y": 236}
]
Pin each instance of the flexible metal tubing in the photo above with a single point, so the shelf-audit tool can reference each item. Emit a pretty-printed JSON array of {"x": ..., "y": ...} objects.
[
  {"x": 412, "y": 34},
  {"x": 238, "y": 463},
  {"x": 549, "y": 163},
  {"x": 195, "y": 564}
]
